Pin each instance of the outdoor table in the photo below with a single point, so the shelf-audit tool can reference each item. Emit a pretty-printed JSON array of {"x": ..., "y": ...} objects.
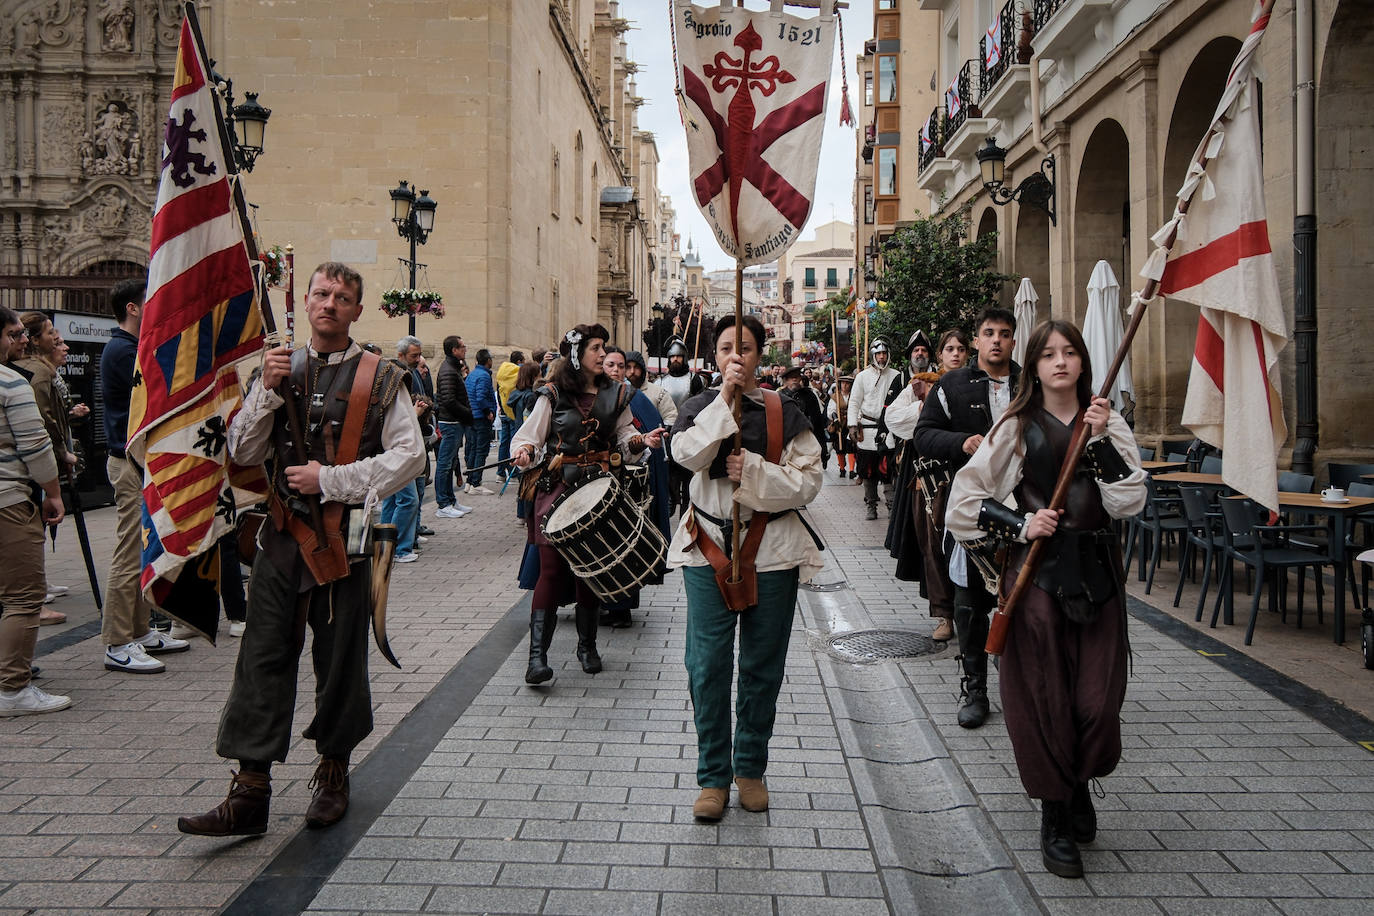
[
  {"x": 1192, "y": 478},
  {"x": 1340, "y": 513},
  {"x": 1166, "y": 466}
]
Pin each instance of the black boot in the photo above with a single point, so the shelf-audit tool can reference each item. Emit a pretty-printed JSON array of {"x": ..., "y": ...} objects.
[
  {"x": 1058, "y": 851},
  {"x": 1083, "y": 815},
  {"x": 971, "y": 627},
  {"x": 617, "y": 618},
  {"x": 542, "y": 624},
  {"x": 586, "y": 617}
]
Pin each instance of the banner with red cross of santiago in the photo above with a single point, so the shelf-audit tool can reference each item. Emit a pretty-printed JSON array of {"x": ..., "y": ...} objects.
[{"x": 754, "y": 88}]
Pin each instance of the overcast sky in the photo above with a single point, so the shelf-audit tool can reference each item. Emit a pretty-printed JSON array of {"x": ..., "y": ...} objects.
[{"x": 650, "y": 46}]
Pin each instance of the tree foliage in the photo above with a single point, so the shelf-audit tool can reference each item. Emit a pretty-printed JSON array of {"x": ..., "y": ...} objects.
[{"x": 934, "y": 278}]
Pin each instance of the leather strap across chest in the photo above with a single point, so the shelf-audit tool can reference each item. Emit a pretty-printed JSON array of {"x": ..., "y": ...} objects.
[{"x": 758, "y": 522}]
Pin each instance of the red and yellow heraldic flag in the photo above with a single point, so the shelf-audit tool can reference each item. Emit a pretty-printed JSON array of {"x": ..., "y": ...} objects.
[{"x": 199, "y": 319}]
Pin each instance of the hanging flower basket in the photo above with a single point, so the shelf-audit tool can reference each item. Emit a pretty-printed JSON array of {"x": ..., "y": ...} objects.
[
  {"x": 274, "y": 266},
  {"x": 427, "y": 300},
  {"x": 398, "y": 302}
]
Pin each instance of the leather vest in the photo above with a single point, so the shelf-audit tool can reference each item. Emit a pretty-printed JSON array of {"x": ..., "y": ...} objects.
[
  {"x": 321, "y": 394},
  {"x": 1077, "y": 565},
  {"x": 573, "y": 433}
]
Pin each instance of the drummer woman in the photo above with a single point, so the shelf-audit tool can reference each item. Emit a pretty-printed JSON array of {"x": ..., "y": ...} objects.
[
  {"x": 703, "y": 442},
  {"x": 581, "y": 418},
  {"x": 1063, "y": 674}
]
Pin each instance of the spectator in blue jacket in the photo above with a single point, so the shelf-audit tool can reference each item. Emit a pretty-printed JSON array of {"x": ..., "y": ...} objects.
[{"x": 482, "y": 397}]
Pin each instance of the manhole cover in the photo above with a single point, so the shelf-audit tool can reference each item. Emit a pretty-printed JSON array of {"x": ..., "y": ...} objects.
[{"x": 872, "y": 645}]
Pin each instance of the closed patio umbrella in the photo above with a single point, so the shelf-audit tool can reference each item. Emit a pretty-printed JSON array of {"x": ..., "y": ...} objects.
[
  {"x": 1024, "y": 309},
  {"x": 1102, "y": 332}
]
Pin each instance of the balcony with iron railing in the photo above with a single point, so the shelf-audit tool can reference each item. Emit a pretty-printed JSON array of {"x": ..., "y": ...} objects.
[
  {"x": 932, "y": 162},
  {"x": 1004, "y": 85},
  {"x": 962, "y": 106},
  {"x": 1062, "y": 25},
  {"x": 1005, "y": 49},
  {"x": 966, "y": 126},
  {"x": 935, "y": 148}
]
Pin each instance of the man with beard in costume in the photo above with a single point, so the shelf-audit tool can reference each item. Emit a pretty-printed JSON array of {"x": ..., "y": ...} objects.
[
  {"x": 662, "y": 400},
  {"x": 681, "y": 383},
  {"x": 911, "y": 540},
  {"x": 874, "y": 389}
]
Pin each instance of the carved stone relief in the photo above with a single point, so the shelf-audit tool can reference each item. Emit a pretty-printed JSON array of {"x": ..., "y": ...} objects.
[
  {"x": 54, "y": 241},
  {"x": 106, "y": 213},
  {"x": 59, "y": 26},
  {"x": 116, "y": 19},
  {"x": 114, "y": 144},
  {"x": 61, "y": 121}
]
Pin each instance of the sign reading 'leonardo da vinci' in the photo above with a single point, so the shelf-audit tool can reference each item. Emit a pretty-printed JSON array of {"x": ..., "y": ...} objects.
[{"x": 754, "y": 92}]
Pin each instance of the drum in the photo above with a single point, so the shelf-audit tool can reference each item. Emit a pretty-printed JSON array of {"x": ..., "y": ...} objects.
[
  {"x": 634, "y": 479},
  {"x": 605, "y": 537}
]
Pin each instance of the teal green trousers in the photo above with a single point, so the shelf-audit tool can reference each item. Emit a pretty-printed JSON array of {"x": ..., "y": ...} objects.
[{"x": 764, "y": 631}]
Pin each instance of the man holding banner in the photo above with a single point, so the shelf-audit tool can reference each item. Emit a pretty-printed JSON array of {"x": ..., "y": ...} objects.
[{"x": 363, "y": 443}]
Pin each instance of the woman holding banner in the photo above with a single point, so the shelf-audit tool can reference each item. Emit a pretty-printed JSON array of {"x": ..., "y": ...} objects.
[
  {"x": 777, "y": 473},
  {"x": 1063, "y": 674}
]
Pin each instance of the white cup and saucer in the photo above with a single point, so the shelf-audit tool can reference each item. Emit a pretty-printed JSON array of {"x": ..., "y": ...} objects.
[{"x": 1334, "y": 495}]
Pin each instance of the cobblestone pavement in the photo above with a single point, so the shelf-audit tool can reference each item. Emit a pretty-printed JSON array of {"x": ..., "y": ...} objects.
[
  {"x": 576, "y": 797},
  {"x": 89, "y": 796}
]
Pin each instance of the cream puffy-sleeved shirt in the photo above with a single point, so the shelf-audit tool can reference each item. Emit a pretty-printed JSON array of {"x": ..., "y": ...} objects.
[
  {"x": 763, "y": 487},
  {"x": 364, "y": 481},
  {"x": 995, "y": 470},
  {"x": 902, "y": 414}
]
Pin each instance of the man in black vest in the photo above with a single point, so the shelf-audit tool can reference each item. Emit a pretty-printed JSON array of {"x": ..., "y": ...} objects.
[
  {"x": 956, "y": 415},
  {"x": 363, "y": 443}
]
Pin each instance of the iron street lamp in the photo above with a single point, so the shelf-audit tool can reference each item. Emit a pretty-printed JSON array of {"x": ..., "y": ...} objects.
[
  {"x": 1037, "y": 190},
  {"x": 246, "y": 122},
  {"x": 414, "y": 219}
]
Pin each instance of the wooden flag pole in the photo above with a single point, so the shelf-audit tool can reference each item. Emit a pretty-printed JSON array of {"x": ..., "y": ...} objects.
[
  {"x": 738, "y": 412},
  {"x": 290, "y": 294},
  {"x": 1001, "y": 619}
]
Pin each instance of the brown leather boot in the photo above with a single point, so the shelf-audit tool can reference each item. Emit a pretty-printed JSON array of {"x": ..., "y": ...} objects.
[
  {"x": 242, "y": 813},
  {"x": 330, "y": 803},
  {"x": 753, "y": 794},
  {"x": 710, "y": 804}
]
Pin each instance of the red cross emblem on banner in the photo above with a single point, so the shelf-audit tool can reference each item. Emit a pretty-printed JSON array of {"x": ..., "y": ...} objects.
[{"x": 742, "y": 142}]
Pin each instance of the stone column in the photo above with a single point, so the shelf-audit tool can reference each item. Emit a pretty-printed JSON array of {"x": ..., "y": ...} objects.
[
  {"x": 27, "y": 131},
  {"x": 1149, "y": 370}
]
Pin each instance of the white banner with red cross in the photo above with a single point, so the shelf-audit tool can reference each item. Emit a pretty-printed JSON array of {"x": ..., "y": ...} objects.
[{"x": 753, "y": 86}]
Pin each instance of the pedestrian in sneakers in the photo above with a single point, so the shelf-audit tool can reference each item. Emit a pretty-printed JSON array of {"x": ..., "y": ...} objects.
[
  {"x": 1064, "y": 667},
  {"x": 129, "y": 640},
  {"x": 776, "y": 474},
  {"x": 454, "y": 415},
  {"x": 363, "y": 442},
  {"x": 482, "y": 397},
  {"x": 30, "y": 498}
]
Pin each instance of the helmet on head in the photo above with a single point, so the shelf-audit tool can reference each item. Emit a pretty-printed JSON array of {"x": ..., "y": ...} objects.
[
  {"x": 677, "y": 348},
  {"x": 878, "y": 346},
  {"x": 919, "y": 339}
]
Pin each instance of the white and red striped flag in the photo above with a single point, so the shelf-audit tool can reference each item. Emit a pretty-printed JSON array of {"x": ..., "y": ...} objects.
[
  {"x": 1223, "y": 263},
  {"x": 200, "y": 318}
]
